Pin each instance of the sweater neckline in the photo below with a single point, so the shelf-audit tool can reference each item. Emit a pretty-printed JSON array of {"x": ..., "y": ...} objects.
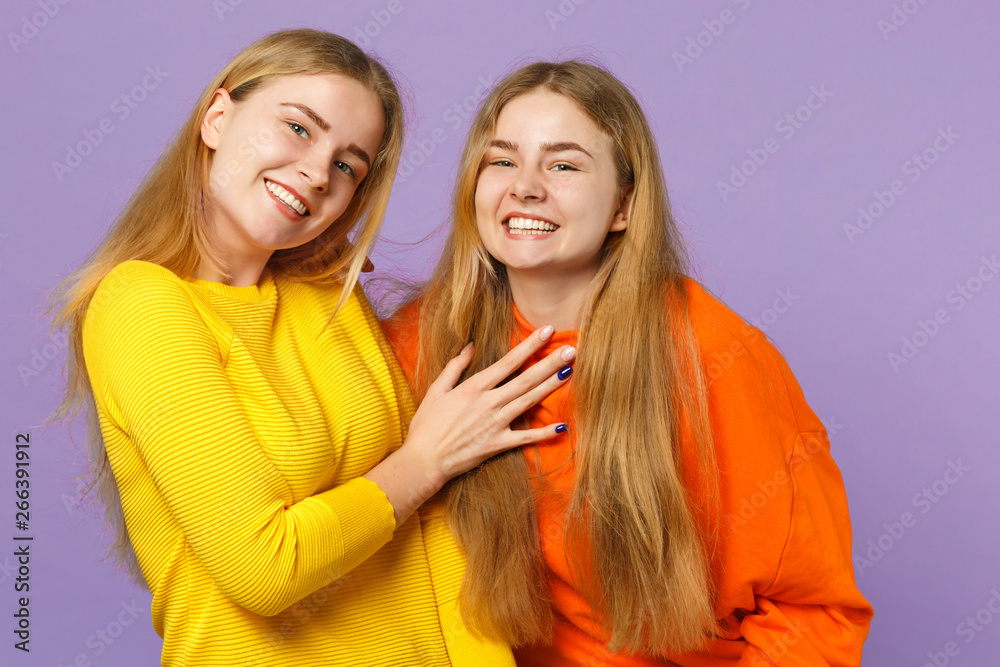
[
  {"x": 262, "y": 292},
  {"x": 559, "y": 338}
]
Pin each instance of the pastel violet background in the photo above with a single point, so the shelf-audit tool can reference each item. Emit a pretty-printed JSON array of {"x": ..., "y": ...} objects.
[{"x": 726, "y": 84}]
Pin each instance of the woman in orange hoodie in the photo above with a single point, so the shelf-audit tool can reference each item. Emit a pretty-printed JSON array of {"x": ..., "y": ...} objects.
[{"x": 691, "y": 514}]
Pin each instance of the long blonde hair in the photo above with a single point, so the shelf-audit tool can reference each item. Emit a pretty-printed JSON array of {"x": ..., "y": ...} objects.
[
  {"x": 639, "y": 386},
  {"x": 164, "y": 221}
]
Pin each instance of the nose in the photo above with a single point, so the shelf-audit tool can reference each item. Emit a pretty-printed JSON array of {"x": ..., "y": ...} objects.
[
  {"x": 527, "y": 185},
  {"x": 315, "y": 170}
]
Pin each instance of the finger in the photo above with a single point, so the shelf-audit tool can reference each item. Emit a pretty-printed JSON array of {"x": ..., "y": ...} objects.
[
  {"x": 536, "y": 374},
  {"x": 522, "y": 437},
  {"x": 514, "y": 359},
  {"x": 451, "y": 372},
  {"x": 521, "y": 403}
]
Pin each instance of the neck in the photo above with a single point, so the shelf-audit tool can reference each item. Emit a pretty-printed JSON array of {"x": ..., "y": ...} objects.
[
  {"x": 549, "y": 298},
  {"x": 244, "y": 275},
  {"x": 242, "y": 258}
]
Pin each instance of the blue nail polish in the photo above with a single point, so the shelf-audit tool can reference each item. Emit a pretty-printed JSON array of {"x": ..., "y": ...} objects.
[
  {"x": 561, "y": 428},
  {"x": 564, "y": 372}
]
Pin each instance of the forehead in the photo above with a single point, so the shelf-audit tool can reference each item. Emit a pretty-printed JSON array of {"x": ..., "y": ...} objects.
[
  {"x": 311, "y": 85},
  {"x": 548, "y": 117},
  {"x": 343, "y": 102}
]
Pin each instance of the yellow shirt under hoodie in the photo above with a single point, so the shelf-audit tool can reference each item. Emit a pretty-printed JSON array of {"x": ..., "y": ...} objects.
[{"x": 238, "y": 421}]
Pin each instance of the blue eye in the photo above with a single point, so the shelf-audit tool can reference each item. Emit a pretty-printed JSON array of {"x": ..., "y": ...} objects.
[
  {"x": 346, "y": 168},
  {"x": 502, "y": 163},
  {"x": 298, "y": 129}
]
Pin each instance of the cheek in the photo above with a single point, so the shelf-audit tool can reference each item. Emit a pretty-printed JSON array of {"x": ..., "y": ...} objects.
[
  {"x": 267, "y": 146},
  {"x": 336, "y": 202},
  {"x": 484, "y": 204},
  {"x": 483, "y": 226},
  {"x": 224, "y": 172},
  {"x": 480, "y": 201}
]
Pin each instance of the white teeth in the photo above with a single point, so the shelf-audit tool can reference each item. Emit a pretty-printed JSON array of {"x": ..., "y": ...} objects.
[
  {"x": 287, "y": 197},
  {"x": 529, "y": 225}
]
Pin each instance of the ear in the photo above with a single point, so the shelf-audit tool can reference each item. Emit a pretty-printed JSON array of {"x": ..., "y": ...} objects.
[
  {"x": 211, "y": 124},
  {"x": 620, "y": 220}
]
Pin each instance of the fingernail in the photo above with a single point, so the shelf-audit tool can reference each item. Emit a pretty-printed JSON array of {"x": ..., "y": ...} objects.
[
  {"x": 568, "y": 353},
  {"x": 466, "y": 348},
  {"x": 564, "y": 372},
  {"x": 561, "y": 428},
  {"x": 546, "y": 333}
]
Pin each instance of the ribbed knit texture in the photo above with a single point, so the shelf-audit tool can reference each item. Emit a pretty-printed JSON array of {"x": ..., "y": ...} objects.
[{"x": 238, "y": 421}]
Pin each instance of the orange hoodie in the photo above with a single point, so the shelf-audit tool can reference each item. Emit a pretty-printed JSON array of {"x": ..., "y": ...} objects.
[{"x": 786, "y": 590}]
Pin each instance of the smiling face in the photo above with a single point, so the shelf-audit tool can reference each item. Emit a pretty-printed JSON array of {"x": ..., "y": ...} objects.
[
  {"x": 287, "y": 161},
  {"x": 547, "y": 195}
]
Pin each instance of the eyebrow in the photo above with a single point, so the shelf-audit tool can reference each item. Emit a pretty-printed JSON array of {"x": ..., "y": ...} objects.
[
  {"x": 557, "y": 147},
  {"x": 353, "y": 149},
  {"x": 313, "y": 116}
]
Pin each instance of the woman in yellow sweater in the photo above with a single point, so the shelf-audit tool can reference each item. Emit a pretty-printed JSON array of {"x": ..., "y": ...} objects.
[{"x": 248, "y": 423}]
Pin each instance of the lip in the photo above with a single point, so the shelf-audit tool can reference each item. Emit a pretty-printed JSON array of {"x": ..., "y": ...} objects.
[
  {"x": 291, "y": 214},
  {"x": 526, "y": 237}
]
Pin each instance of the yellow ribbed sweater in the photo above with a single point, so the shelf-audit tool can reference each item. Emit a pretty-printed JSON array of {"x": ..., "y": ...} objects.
[{"x": 238, "y": 423}]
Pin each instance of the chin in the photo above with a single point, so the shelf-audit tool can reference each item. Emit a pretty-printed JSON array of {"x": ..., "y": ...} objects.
[{"x": 531, "y": 267}]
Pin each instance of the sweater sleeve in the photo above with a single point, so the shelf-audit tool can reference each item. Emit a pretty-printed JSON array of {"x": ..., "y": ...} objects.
[
  {"x": 158, "y": 378},
  {"x": 812, "y": 613},
  {"x": 785, "y": 572}
]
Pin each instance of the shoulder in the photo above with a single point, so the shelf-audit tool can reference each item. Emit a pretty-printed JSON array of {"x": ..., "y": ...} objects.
[
  {"x": 402, "y": 327},
  {"x": 139, "y": 289},
  {"x": 718, "y": 327},
  {"x": 743, "y": 365},
  {"x": 142, "y": 272},
  {"x": 140, "y": 303},
  {"x": 142, "y": 313},
  {"x": 134, "y": 282},
  {"x": 402, "y": 330}
]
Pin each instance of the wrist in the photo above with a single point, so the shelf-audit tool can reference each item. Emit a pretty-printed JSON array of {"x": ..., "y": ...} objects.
[
  {"x": 422, "y": 470},
  {"x": 406, "y": 480}
]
